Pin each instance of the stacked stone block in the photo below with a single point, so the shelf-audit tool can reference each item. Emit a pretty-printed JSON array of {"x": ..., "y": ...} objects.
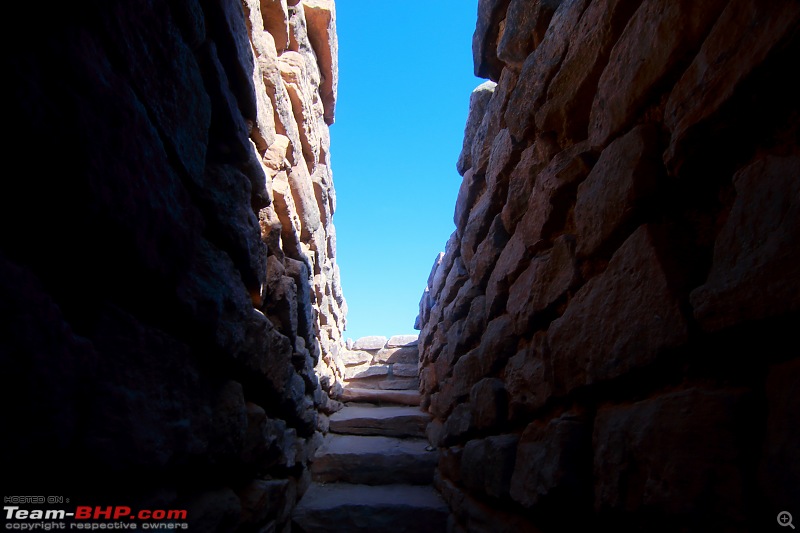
[
  {"x": 172, "y": 312},
  {"x": 601, "y": 338}
]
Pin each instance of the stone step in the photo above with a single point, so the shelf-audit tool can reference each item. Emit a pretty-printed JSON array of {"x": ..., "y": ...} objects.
[
  {"x": 346, "y": 508},
  {"x": 389, "y": 421},
  {"x": 372, "y": 460},
  {"x": 403, "y": 397}
]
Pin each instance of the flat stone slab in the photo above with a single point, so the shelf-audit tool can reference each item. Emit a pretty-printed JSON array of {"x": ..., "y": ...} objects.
[
  {"x": 346, "y": 508},
  {"x": 389, "y": 421},
  {"x": 373, "y": 342},
  {"x": 402, "y": 397},
  {"x": 402, "y": 340},
  {"x": 373, "y": 460}
]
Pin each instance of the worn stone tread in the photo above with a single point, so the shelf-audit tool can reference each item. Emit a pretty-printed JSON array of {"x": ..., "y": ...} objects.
[
  {"x": 393, "y": 421},
  {"x": 344, "y": 507},
  {"x": 402, "y": 397},
  {"x": 374, "y": 460}
]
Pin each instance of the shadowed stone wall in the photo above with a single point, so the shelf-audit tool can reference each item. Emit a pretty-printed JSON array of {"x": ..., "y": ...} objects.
[
  {"x": 609, "y": 337},
  {"x": 170, "y": 300}
]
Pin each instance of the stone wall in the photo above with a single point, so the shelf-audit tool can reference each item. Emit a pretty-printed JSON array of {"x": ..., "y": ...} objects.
[
  {"x": 171, "y": 306},
  {"x": 609, "y": 337}
]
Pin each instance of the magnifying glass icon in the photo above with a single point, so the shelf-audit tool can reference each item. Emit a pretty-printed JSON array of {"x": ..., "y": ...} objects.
[{"x": 785, "y": 519}]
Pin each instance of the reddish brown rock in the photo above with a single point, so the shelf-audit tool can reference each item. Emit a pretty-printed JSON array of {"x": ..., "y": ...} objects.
[
  {"x": 484, "y": 41},
  {"x": 512, "y": 260},
  {"x": 524, "y": 29},
  {"x": 540, "y": 67},
  {"x": 488, "y": 464},
  {"x": 676, "y": 455},
  {"x": 478, "y": 516},
  {"x": 755, "y": 273},
  {"x": 493, "y": 121},
  {"x": 570, "y": 94},
  {"x": 321, "y": 23},
  {"x": 528, "y": 378},
  {"x": 723, "y": 65},
  {"x": 522, "y": 179},
  {"x": 615, "y": 191},
  {"x": 543, "y": 283},
  {"x": 488, "y": 251},
  {"x": 502, "y": 154},
  {"x": 553, "y": 194},
  {"x": 478, "y": 101},
  {"x": 553, "y": 463},
  {"x": 488, "y": 403},
  {"x": 480, "y": 219},
  {"x": 497, "y": 345},
  {"x": 617, "y": 322},
  {"x": 276, "y": 21},
  {"x": 471, "y": 187},
  {"x": 648, "y": 52},
  {"x": 457, "y": 426}
]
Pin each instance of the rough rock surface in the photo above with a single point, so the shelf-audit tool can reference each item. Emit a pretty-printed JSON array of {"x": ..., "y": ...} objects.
[
  {"x": 176, "y": 340},
  {"x": 607, "y": 338}
]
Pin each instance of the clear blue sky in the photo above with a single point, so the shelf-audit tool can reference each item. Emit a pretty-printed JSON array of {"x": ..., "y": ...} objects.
[{"x": 405, "y": 76}]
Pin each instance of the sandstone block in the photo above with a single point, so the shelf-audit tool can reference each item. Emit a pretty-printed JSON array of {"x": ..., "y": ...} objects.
[
  {"x": 669, "y": 453},
  {"x": 617, "y": 189},
  {"x": 355, "y": 357},
  {"x": 570, "y": 93},
  {"x": 406, "y": 355},
  {"x": 492, "y": 123},
  {"x": 389, "y": 421},
  {"x": 472, "y": 185},
  {"x": 478, "y": 516},
  {"x": 457, "y": 426},
  {"x": 617, "y": 321},
  {"x": 321, "y": 24},
  {"x": 487, "y": 464},
  {"x": 372, "y": 342},
  {"x": 480, "y": 219},
  {"x": 522, "y": 179},
  {"x": 294, "y": 69},
  {"x": 456, "y": 279},
  {"x": 755, "y": 272},
  {"x": 546, "y": 281},
  {"x": 275, "y": 14},
  {"x": 487, "y": 253},
  {"x": 528, "y": 378},
  {"x": 346, "y": 508},
  {"x": 478, "y": 101},
  {"x": 525, "y": 27},
  {"x": 484, "y": 41},
  {"x": 365, "y": 371},
  {"x": 553, "y": 194},
  {"x": 371, "y": 460},
  {"x": 488, "y": 402},
  {"x": 397, "y": 341},
  {"x": 540, "y": 67},
  {"x": 553, "y": 463},
  {"x": 721, "y": 67},
  {"x": 403, "y": 370},
  {"x": 648, "y": 52}
]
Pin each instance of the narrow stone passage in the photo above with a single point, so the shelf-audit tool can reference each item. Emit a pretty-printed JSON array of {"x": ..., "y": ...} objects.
[{"x": 374, "y": 470}]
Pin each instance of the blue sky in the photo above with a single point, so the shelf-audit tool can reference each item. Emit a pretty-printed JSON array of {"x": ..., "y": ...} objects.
[{"x": 405, "y": 76}]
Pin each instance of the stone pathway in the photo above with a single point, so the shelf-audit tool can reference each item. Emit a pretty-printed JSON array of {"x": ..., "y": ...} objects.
[{"x": 374, "y": 471}]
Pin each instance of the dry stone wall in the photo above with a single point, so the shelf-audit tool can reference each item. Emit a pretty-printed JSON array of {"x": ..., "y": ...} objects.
[
  {"x": 608, "y": 339},
  {"x": 172, "y": 315}
]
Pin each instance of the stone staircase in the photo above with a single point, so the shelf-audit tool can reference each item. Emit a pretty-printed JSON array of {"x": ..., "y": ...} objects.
[{"x": 374, "y": 470}]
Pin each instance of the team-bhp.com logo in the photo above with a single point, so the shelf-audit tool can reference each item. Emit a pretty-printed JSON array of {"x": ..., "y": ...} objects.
[{"x": 94, "y": 518}]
